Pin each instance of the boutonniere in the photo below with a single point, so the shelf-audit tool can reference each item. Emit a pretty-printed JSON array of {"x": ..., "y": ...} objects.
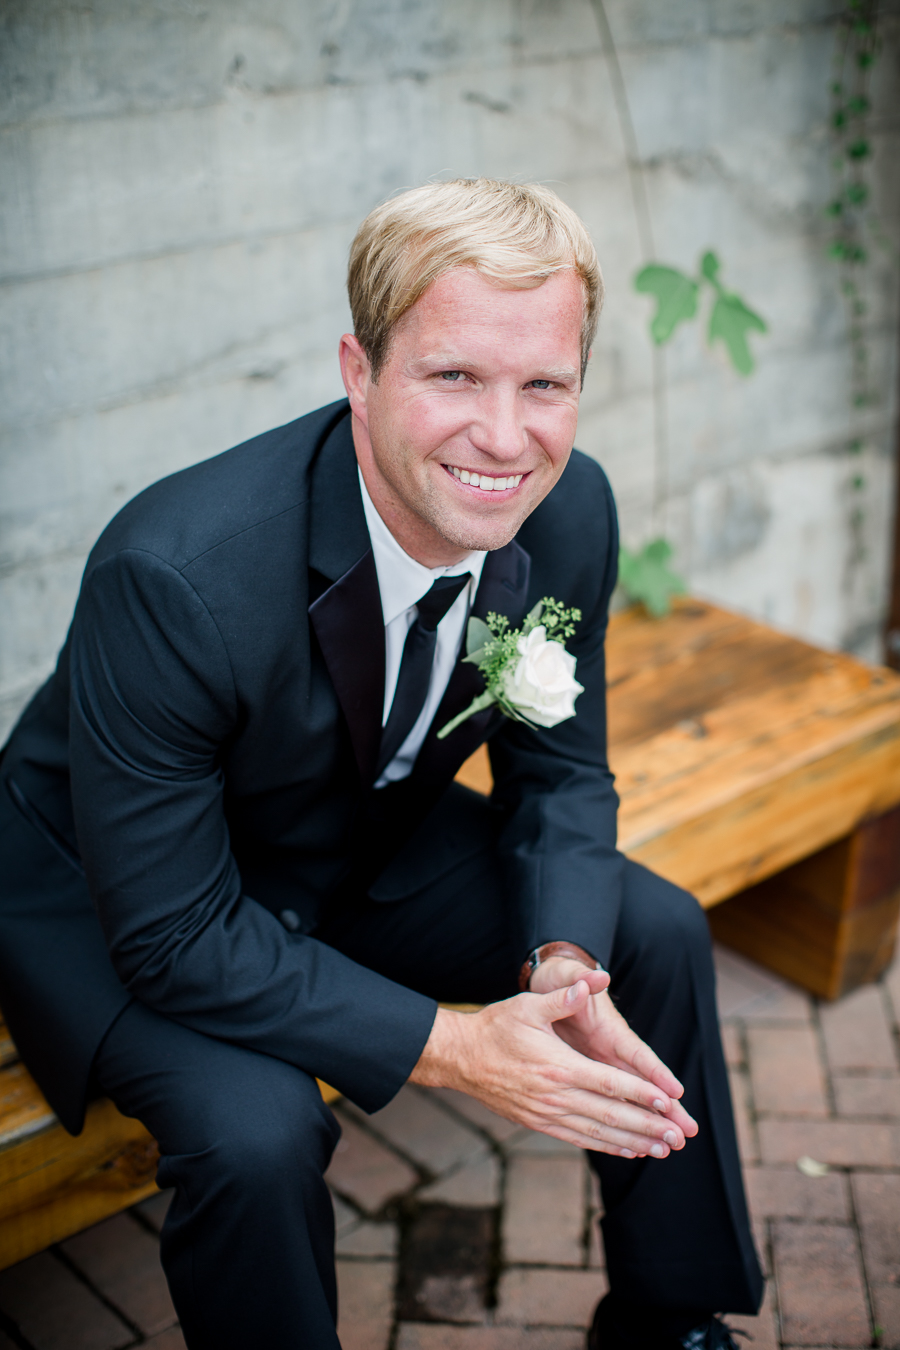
[{"x": 527, "y": 671}]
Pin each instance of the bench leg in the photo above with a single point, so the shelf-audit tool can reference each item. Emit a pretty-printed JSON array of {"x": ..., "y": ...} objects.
[{"x": 829, "y": 922}]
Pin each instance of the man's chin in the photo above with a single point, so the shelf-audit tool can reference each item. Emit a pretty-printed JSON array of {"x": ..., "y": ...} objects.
[{"x": 479, "y": 536}]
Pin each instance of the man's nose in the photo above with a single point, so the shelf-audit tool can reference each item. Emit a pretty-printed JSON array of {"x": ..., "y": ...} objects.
[{"x": 499, "y": 428}]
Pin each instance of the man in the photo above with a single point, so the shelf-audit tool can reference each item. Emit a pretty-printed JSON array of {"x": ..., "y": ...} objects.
[{"x": 234, "y": 855}]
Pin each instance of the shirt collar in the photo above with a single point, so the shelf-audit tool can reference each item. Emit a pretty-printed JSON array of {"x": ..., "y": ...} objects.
[{"x": 401, "y": 580}]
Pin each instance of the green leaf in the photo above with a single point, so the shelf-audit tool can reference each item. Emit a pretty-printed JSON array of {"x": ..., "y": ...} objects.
[
  {"x": 533, "y": 617},
  {"x": 478, "y": 635},
  {"x": 676, "y": 297},
  {"x": 709, "y": 267},
  {"x": 730, "y": 321},
  {"x": 646, "y": 577}
]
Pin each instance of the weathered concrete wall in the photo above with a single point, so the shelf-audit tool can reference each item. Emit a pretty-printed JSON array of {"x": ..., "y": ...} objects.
[{"x": 180, "y": 184}]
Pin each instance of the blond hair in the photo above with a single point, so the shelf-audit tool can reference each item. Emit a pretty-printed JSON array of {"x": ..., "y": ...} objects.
[{"x": 516, "y": 234}]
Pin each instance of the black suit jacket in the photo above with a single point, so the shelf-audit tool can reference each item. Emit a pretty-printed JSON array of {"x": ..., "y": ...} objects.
[{"x": 203, "y": 759}]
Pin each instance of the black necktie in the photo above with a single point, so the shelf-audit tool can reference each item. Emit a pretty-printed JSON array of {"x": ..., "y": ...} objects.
[{"x": 415, "y": 667}]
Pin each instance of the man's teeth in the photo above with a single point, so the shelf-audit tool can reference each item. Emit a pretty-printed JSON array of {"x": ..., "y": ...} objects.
[{"x": 481, "y": 480}]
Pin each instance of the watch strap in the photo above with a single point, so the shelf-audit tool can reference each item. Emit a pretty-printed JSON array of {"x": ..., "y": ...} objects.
[{"x": 544, "y": 953}]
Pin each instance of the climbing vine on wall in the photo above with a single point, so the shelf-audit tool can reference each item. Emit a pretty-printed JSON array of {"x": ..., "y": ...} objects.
[{"x": 853, "y": 226}]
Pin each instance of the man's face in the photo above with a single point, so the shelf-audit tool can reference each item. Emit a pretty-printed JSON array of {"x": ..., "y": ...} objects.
[{"x": 473, "y": 416}]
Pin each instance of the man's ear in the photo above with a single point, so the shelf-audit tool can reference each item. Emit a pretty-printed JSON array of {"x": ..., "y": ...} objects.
[{"x": 357, "y": 376}]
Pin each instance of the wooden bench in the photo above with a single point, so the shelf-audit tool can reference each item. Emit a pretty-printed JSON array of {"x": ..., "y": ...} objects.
[{"x": 759, "y": 772}]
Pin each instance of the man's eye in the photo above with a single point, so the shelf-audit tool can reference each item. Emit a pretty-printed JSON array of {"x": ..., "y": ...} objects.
[
  {"x": 451, "y": 375},
  {"x": 541, "y": 384}
]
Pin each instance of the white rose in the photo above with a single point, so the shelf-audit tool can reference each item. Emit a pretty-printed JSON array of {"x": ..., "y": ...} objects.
[{"x": 542, "y": 685}]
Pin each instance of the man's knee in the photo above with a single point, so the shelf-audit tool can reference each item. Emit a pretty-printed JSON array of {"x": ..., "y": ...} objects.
[
  {"x": 663, "y": 925},
  {"x": 269, "y": 1132}
]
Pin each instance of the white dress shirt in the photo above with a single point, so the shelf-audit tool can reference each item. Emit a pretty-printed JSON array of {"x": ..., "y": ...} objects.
[{"x": 402, "y": 582}]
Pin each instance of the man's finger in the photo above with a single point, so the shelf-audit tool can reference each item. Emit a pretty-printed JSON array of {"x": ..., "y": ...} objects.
[
  {"x": 563, "y": 1002},
  {"x": 613, "y": 1113}
]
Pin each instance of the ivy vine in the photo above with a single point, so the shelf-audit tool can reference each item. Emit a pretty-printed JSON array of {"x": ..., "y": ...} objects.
[{"x": 853, "y": 227}]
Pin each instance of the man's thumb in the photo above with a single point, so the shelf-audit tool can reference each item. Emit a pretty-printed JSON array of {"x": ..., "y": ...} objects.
[{"x": 566, "y": 1001}]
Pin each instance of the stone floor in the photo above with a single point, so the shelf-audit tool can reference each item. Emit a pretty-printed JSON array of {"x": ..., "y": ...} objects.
[{"x": 459, "y": 1231}]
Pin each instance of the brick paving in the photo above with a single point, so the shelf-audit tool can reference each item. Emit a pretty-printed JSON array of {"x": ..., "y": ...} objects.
[{"x": 457, "y": 1230}]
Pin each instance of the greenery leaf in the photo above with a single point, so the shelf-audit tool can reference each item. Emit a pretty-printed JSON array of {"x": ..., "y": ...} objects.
[
  {"x": 478, "y": 635},
  {"x": 533, "y": 617},
  {"x": 730, "y": 322},
  {"x": 709, "y": 266},
  {"x": 646, "y": 578},
  {"x": 676, "y": 296}
]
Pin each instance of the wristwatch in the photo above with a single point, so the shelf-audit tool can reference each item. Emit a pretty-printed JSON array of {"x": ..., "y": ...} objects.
[{"x": 542, "y": 954}]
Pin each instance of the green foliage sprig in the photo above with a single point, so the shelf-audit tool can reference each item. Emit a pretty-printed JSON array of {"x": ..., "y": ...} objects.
[
  {"x": 849, "y": 208},
  {"x": 677, "y": 296},
  {"x": 493, "y": 647},
  {"x": 647, "y": 579}
]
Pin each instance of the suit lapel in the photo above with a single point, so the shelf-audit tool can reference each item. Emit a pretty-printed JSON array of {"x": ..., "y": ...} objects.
[
  {"x": 503, "y": 590},
  {"x": 347, "y": 616}
]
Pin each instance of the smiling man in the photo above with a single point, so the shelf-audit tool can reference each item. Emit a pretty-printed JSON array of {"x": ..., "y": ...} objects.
[{"x": 234, "y": 856}]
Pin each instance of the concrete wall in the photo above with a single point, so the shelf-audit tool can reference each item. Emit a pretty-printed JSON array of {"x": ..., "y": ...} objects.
[{"x": 180, "y": 184}]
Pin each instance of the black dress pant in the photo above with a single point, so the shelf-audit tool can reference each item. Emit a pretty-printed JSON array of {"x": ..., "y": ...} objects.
[{"x": 248, "y": 1242}]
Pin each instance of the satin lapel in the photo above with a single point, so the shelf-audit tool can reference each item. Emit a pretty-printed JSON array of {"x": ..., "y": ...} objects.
[
  {"x": 347, "y": 616},
  {"x": 503, "y": 590}
]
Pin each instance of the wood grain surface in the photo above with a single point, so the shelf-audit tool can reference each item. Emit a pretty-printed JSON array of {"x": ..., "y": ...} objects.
[{"x": 738, "y": 750}]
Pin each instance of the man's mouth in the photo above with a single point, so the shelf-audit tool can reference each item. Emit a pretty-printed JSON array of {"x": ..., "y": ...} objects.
[{"x": 482, "y": 481}]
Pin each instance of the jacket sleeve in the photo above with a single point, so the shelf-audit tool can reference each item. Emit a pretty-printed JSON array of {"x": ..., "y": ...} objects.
[
  {"x": 559, "y": 846},
  {"x": 152, "y": 702}
]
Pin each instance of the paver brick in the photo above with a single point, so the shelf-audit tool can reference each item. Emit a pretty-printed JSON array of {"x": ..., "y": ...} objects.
[
  {"x": 748, "y": 992},
  {"x": 167, "y": 1340},
  {"x": 743, "y": 1121},
  {"x": 544, "y": 1215},
  {"x": 475, "y": 1183},
  {"x": 555, "y": 1298},
  {"x": 856, "y": 1031},
  {"x": 365, "y": 1170},
  {"x": 421, "y": 1336},
  {"x": 365, "y": 1303},
  {"x": 820, "y": 1285},
  {"x": 419, "y": 1127},
  {"x": 892, "y": 984},
  {"x": 840, "y": 1142},
  {"x": 858, "y": 1096},
  {"x": 886, "y": 1306},
  {"x": 55, "y": 1311},
  {"x": 785, "y": 1193},
  {"x": 533, "y": 1141},
  {"x": 877, "y": 1201},
  {"x": 155, "y": 1209},
  {"x": 785, "y": 1070},
  {"x": 496, "y": 1126},
  {"x": 368, "y": 1239},
  {"x": 732, "y": 1045},
  {"x": 762, "y": 1330},
  {"x": 121, "y": 1259}
]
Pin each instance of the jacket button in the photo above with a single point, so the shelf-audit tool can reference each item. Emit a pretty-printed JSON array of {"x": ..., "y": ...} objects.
[{"x": 291, "y": 920}]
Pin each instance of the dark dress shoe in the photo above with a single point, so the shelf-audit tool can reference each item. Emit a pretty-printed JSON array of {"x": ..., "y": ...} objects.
[{"x": 712, "y": 1334}]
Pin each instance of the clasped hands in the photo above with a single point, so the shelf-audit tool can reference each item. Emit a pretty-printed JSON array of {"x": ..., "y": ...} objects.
[{"x": 561, "y": 1059}]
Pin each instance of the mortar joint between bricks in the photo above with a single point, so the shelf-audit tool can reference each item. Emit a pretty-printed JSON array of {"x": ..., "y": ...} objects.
[
  {"x": 459, "y": 1119},
  {"x": 870, "y": 1303},
  {"x": 819, "y": 1034},
  {"x": 425, "y": 1174},
  {"x": 11, "y": 1329},
  {"x": 74, "y": 1269},
  {"x": 892, "y": 1021}
]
